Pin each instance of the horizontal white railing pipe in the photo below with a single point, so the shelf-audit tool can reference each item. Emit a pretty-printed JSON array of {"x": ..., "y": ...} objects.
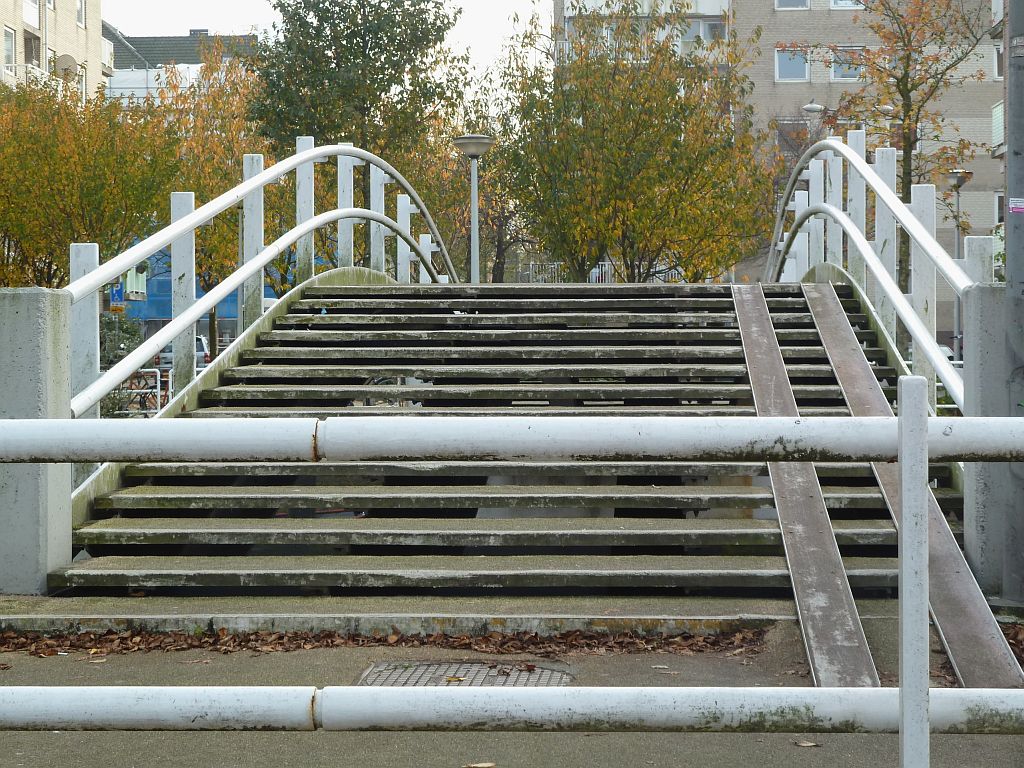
[
  {"x": 129, "y": 259},
  {"x": 944, "y": 264},
  {"x": 732, "y": 709},
  {"x": 118, "y": 373},
  {"x": 606, "y": 438},
  {"x": 924, "y": 341}
]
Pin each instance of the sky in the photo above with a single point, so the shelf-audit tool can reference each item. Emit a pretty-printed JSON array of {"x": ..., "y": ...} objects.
[{"x": 483, "y": 27}]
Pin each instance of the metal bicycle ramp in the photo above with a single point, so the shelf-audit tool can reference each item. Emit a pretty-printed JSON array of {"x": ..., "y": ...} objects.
[{"x": 532, "y": 545}]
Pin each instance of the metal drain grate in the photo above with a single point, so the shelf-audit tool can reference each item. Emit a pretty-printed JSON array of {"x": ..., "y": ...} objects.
[{"x": 464, "y": 673}]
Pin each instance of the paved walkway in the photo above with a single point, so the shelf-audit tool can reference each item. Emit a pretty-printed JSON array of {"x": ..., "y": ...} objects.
[{"x": 781, "y": 663}]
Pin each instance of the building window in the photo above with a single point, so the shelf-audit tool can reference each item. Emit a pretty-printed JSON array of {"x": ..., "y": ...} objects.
[
  {"x": 792, "y": 137},
  {"x": 999, "y": 62},
  {"x": 792, "y": 5},
  {"x": 51, "y": 4},
  {"x": 846, "y": 66},
  {"x": 705, "y": 30},
  {"x": 83, "y": 85},
  {"x": 30, "y": 12},
  {"x": 1000, "y": 203},
  {"x": 792, "y": 66},
  {"x": 82, "y": 12},
  {"x": 33, "y": 50},
  {"x": 10, "y": 49},
  {"x": 846, "y": 4}
]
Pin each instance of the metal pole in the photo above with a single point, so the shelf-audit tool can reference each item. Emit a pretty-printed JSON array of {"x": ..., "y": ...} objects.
[
  {"x": 85, "y": 324},
  {"x": 304, "y": 211},
  {"x": 183, "y": 293},
  {"x": 957, "y": 309},
  {"x": 913, "y": 579},
  {"x": 474, "y": 264},
  {"x": 252, "y": 242}
]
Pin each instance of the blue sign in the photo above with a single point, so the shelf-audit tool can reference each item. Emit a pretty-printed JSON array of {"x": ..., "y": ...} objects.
[{"x": 117, "y": 293}]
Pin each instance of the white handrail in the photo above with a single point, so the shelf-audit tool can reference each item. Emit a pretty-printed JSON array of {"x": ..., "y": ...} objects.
[
  {"x": 141, "y": 251},
  {"x": 118, "y": 373},
  {"x": 924, "y": 343},
  {"x": 944, "y": 264}
]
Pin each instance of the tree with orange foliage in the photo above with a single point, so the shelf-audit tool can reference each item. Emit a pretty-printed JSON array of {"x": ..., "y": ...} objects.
[
  {"x": 98, "y": 171},
  {"x": 925, "y": 49}
]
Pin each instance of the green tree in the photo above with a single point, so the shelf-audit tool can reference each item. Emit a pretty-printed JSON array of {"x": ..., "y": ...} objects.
[
  {"x": 72, "y": 172},
  {"x": 636, "y": 147}
]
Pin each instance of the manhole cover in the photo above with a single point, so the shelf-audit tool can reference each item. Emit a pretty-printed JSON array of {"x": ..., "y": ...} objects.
[{"x": 464, "y": 673}]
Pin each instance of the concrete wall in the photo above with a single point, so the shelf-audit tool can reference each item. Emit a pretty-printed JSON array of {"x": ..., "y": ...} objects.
[{"x": 63, "y": 34}]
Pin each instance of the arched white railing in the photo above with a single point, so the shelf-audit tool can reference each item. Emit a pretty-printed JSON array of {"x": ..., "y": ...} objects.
[
  {"x": 120, "y": 372},
  {"x": 829, "y": 226},
  {"x": 141, "y": 251}
]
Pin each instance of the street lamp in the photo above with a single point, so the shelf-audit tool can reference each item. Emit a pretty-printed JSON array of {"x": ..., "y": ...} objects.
[
  {"x": 473, "y": 146},
  {"x": 957, "y": 178}
]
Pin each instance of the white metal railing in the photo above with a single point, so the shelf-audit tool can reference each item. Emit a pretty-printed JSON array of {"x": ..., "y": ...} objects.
[
  {"x": 830, "y": 232},
  {"x": 89, "y": 276},
  {"x": 912, "y": 439},
  {"x": 106, "y": 383}
]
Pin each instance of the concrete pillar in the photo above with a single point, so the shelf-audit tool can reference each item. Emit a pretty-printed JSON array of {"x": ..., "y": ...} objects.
[
  {"x": 252, "y": 242},
  {"x": 183, "y": 292},
  {"x": 304, "y": 207},
  {"x": 993, "y": 503},
  {"x": 85, "y": 325},
  {"x": 35, "y": 379}
]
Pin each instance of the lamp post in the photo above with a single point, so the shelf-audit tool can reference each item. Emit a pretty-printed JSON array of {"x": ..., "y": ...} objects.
[
  {"x": 957, "y": 178},
  {"x": 474, "y": 146}
]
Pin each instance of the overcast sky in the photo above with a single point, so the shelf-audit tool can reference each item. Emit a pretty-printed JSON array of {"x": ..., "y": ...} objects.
[{"x": 483, "y": 28}]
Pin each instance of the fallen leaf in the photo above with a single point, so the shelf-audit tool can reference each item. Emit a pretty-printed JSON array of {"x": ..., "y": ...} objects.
[
  {"x": 4, "y": 667},
  {"x": 455, "y": 679},
  {"x": 803, "y": 743}
]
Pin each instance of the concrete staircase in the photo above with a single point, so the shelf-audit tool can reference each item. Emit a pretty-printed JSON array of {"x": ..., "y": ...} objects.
[{"x": 471, "y": 529}]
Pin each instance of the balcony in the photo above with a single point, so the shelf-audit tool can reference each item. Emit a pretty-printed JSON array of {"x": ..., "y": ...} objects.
[
  {"x": 108, "y": 58},
  {"x": 998, "y": 129},
  {"x": 13, "y": 75}
]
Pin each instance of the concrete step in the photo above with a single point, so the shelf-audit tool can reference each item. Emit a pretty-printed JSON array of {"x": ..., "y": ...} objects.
[
  {"x": 552, "y": 393},
  {"x": 569, "y": 354},
  {"x": 327, "y": 410},
  {"x": 557, "y": 533},
  {"x": 443, "y": 293},
  {"x": 548, "y": 572},
  {"x": 544, "y": 304},
  {"x": 523, "y": 498},
  {"x": 441, "y": 337}
]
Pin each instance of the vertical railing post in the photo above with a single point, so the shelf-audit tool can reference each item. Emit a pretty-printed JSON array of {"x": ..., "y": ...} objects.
[
  {"x": 378, "y": 180},
  {"x": 304, "y": 211},
  {"x": 183, "y": 292},
  {"x": 978, "y": 260},
  {"x": 85, "y": 325},
  {"x": 799, "y": 252},
  {"x": 403, "y": 252},
  {"x": 834, "y": 197},
  {"x": 428, "y": 247},
  {"x": 913, "y": 578},
  {"x": 857, "y": 206},
  {"x": 252, "y": 242},
  {"x": 922, "y": 278},
  {"x": 816, "y": 227},
  {"x": 346, "y": 199},
  {"x": 885, "y": 236},
  {"x": 35, "y": 378}
]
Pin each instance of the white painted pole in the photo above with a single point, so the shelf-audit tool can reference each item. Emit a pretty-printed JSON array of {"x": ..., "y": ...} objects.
[
  {"x": 834, "y": 196},
  {"x": 252, "y": 242},
  {"x": 404, "y": 252},
  {"x": 885, "y": 236},
  {"x": 856, "y": 205},
  {"x": 922, "y": 278},
  {"x": 183, "y": 293},
  {"x": 913, "y": 579},
  {"x": 801, "y": 247},
  {"x": 304, "y": 211},
  {"x": 346, "y": 199},
  {"x": 455, "y": 708},
  {"x": 85, "y": 325},
  {"x": 428, "y": 246},
  {"x": 377, "y": 178},
  {"x": 474, "y": 265},
  {"x": 816, "y": 227}
]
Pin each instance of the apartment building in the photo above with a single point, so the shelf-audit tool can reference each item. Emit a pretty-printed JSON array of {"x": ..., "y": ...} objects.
[
  {"x": 707, "y": 18},
  {"x": 139, "y": 62},
  {"x": 786, "y": 80},
  {"x": 43, "y": 37}
]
